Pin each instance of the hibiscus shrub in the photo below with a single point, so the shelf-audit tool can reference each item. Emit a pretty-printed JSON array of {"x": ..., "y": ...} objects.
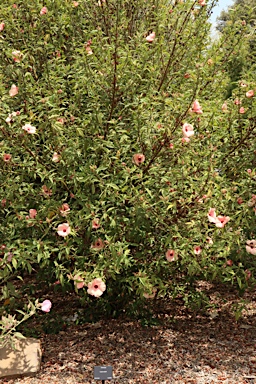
[{"x": 125, "y": 173}]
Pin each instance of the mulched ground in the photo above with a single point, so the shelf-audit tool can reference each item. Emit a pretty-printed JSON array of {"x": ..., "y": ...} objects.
[{"x": 195, "y": 348}]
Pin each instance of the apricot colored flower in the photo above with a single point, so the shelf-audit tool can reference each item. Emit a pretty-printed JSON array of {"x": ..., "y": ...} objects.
[
  {"x": 75, "y": 3},
  {"x": 7, "y": 157},
  {"x": 9, "y": 119},
  {"x": 96, "y": 287},
  {"x": 64, "y": 210},
  {"x": 29, "y": 128},
  {"x": 171, "y": 255},
  {"x": 251, "y": 247},
  {"x": 151, "y": 37},
  {"x": 197, "y": 250},
  {"x": 212, "y": 215},
  {"x": 32, "y": 213},
  {"x": 79, "y": 282},
  {"x": 89, "y": 50},
  {"x": 55, "y": 157},
  {"x": 98, "y": 244},
  {"x": 2, "y": 26},
  {"x": 17, "y": 56},
  {"x": 46, "y": 306},
  {"x": 242, "y": 110},
  {"x": 95, "y": 224},
  {"x": 46, "y": 191},
  {"x": 43, "y": 11},
  {"x": 14, "y": 90},
  {"x": 63, "y": 230},
  {"x": 61, "y": 120},
  {"x": 201, "y": 2},
  {"x": 250, "y": 93},
  {"x": 187, "y": 130},
  {"x": 138, "y": 158},
  {"x": 209, "y": 240},
  {"x": 196, "y": 108},
  {"x": 221, "y": 221},
  {"x": 224, "y": 107},
  {"x": 237, "y": 101}
]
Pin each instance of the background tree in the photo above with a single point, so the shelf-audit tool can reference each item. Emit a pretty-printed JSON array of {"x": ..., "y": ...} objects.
[{"x": 242, "y": 12}]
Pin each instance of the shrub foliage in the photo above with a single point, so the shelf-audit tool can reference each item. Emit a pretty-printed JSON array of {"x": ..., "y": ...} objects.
[{"x": 114, "y": 123}]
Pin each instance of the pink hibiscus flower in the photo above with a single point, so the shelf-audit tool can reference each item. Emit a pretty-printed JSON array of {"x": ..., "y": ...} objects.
[
  {"x": 151, "y": 37},
  {"x": 29, "y": 128},
  {"x": 63, "y": 230},
  {"x": 187, "y": 130},
  {"x": 224, "y": 107},
  {"x": 138, "y": 158},
  {"x": 171, "y": 255},
  {"x": 251, "y": 247},
  {"x": 197, "y": 250},
  {"x": 17, "y": 56},
  {"x": 250, "y": 93},
  {"x": 196, "y": 108},
  {"x": 89, "y": 50},
  {"x": 95, "y": 224},
  {"x": 96, "y": 287},
  {"x": 221, "y": 221},
  {"x": 14, "y": 90},
  {"x": 32, "y": 213},
  {"x": 98, "y": 244},
  {"x": 46, "y": 306},
  {"x": 7, "y": 157},
  {"x": 55, "y": 157},
  {"x": 209, "y": 240},
  {"x": 64, "y": 210},
  {"x": 46, "y": 191},
  {"x": 79, "y": 282},
  {"x": 212, "y": 215},
  {"x": 43, "y": 11}
]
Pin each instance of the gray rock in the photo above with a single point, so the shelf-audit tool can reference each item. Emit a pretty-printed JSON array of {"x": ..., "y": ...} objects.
[{"x": 24, "y": 360}]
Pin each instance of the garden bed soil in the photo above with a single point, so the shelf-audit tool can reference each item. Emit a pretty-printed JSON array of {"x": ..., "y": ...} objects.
[{"x": 190, "y": 347}]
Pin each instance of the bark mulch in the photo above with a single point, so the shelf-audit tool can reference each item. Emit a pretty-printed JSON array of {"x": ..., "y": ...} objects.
[{"x": 195, "y": 348}]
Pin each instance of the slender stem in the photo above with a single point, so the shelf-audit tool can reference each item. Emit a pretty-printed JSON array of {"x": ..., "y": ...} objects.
[{"x": 173, "y": 47}]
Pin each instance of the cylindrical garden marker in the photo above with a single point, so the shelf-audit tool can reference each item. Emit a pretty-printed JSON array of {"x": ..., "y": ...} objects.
[{"x": 103, "y": 373}]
